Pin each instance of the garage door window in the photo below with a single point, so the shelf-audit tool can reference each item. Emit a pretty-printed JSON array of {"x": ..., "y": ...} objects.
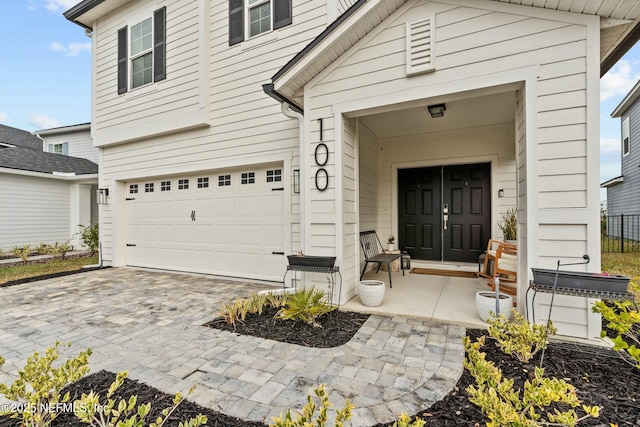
[
  {"x": 133, "y": 188},
  {"x": 203, "y": 182},
  {"x": 183, "y": 184},
  {"x": 165, "y": 186},
  {"x": 248, "y": 178},
  {"x": 148, "y": 187},
  {"x": 274, "y": 175},
  {"x": 224, "y": 180}
]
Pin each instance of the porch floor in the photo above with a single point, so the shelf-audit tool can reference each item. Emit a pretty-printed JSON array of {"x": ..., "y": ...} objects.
[{"x": 444, "y": 299}]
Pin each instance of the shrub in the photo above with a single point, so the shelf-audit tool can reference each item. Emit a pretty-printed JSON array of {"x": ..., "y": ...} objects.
[
  {"x": 504, "y": 406},
  {"x": 519, "y": 338},
  {"x": 22, "y": 252},
  {"x": 125, "y": 412},
  {"x": 90, "y": 237},
  {"x": 59, "y": 249},
  {"x": 39, "y": 385},
  {"x": 623, "y": 318},
  {"x": 306, "y": 305},
  {"x": 405, "y": 421},
  {"x": 308, "y": 413}
]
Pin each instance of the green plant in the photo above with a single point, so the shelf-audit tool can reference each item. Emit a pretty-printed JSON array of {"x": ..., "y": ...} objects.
[
  {"x": 59, "y": 249},
  {"x": 405, "y": 421},
  {"x": 43, "y": 249},
  {"x": 125, "y": 413},
  {"x": 509, "y": 225},
  {"x": 306, "y": 305},
  {"x": 391, "y": 239},
  {"x": 22, "y": 252},
  {"x": 90, "y": 237},
  {"x": 623, "y": 318},
  {"x": 39, "y": 385},
  {"x": 504, "y": 406},
  {"x": 306, "y": 416},
  {"x": 519, "y": 338}
]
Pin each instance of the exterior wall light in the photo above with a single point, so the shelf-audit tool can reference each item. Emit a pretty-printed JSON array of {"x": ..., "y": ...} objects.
[
  {"x": 437, "y": 110},
  {"x": 101, "y": 195}
]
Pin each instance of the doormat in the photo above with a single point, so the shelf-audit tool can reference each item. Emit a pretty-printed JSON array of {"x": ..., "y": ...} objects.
[{"x": 452, "y": 273}]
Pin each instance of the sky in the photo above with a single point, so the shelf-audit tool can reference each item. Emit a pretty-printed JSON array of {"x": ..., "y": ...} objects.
[{"x": 45, "y": 75}]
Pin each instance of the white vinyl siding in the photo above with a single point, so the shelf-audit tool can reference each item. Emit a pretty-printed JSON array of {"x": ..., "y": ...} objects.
[
  {"x": 247, "y": 122},
  {"x": 168, "y": 105},
  {"x": 79, "y": 144},
  {"x": 626, "y": 140},
  {"x": 33, "y": 210}
]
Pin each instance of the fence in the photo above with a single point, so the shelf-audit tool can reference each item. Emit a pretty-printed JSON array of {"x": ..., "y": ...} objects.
[{"x": 620, "y": 233}]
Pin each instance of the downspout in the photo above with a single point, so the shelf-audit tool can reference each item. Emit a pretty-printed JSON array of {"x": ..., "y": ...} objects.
[
  {"x": 44, "y": 145},
  {"x": 288, "y": 112}
]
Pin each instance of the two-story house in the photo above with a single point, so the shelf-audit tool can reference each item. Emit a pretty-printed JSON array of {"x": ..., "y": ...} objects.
[
  {"x": 235, "y": 132},
  {"x": 623, "y": 192},
  {"x": 48, "y": 181}
]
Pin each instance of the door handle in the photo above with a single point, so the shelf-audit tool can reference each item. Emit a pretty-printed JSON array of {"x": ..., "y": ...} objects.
[
  {"x": 193, "y": 215},
  {"x": 445, "y": 219}
]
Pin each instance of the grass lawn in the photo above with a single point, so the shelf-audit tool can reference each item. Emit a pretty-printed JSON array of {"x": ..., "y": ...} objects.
[
  {"x": 627, "y": 264},
  {"x": 8, "y": 274}
]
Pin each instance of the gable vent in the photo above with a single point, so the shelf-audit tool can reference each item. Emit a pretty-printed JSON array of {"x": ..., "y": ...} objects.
[{"x": 421, "y": 45}]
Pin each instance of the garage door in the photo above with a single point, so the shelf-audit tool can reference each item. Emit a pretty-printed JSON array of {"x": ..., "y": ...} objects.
[{"x": 229, "y": 223}]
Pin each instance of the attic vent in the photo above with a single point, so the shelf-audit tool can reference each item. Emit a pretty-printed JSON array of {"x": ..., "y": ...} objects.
[{"x": 421, "y": 45}]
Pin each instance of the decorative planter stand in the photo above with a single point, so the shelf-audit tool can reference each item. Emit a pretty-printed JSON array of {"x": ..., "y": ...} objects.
[
  {"x": 371, "y": 292},
  {"x": 315, "y": 264},
  {"x": 486, "y": 302}
]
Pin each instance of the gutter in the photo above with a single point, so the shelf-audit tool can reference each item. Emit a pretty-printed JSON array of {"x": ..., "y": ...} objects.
[{"x": 270, "y": 90}]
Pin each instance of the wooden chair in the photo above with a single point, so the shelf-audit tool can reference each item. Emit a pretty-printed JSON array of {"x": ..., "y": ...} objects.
[
  {"x": 374, "y": 253},
  {"x": 489, "y": 258},
  {"x": 505, "y": 267}
]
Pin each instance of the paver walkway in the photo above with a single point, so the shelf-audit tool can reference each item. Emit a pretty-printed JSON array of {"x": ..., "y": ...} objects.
[{"x": 150, "y": 324}]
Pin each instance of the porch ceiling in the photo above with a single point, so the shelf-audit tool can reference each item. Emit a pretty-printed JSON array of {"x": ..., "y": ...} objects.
[{"x": 461, "y": 113}]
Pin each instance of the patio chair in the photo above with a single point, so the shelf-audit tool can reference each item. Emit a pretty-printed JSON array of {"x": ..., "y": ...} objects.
[
  {"x": 505, "y": 267},
  {"x": 489, "y": 258},
  {"x": 374, "y": 253}
]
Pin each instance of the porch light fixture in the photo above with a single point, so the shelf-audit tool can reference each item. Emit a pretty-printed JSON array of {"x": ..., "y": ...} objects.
[
  {"x": 437, "y": 110},
  {"x": 102, "y": 195},
  {"x": 296, "y": 181}
]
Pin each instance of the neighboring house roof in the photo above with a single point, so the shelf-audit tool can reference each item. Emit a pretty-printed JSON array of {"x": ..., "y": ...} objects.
[
  {"x": 23, "y": 153},
  {"x": 627, "y": 101},
  {"x": 63, "y": 129},
  {"x": 19, "y": 137},
  {"x": 619, "y": 31},
  {"x": 612, "y": 182}
]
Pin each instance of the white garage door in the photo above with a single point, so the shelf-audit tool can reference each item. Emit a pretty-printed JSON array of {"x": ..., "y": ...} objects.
[{"x": 229, "y": 223}]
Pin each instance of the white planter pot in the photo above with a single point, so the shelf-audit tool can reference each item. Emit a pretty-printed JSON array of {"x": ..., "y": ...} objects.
[
  {"x": 390, "y": 247},
  {"x": 371, "y": 292},
  {"x": 486, "y": 302}
]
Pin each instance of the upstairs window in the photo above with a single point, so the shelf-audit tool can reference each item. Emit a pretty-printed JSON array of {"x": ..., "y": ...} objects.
[
  {"x": 142, "y": 52},
  {"x": 626, "y": 145},
  {"x": 59, "y": 148},
  {"x": 249, "y": 18}
]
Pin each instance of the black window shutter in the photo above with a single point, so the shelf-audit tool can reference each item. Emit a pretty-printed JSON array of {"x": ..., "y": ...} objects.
[
  {"x": 281, "y": 13},
  {"x": 122, "y": 60},
  {"x": 159, "y": 44},
  {"x": 236, "y": 21}
]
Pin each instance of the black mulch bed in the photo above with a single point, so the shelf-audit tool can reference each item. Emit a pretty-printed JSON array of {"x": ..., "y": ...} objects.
[
  {"x": 336, "y": 328},
  {"x": 48, "y": 276},
  {"x": 600, "y": 375}
]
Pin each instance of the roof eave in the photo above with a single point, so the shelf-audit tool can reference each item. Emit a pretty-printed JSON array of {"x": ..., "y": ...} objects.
[{"x": 612, "y": 182}]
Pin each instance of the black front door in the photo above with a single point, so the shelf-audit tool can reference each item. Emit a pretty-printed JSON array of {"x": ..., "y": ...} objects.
[{"x": 445, "y": 212}]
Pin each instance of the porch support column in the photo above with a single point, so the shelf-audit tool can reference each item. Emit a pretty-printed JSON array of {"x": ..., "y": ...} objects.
[{"x": 79, "y": 211}]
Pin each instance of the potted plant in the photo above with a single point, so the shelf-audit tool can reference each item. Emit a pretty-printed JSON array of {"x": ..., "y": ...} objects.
[
  {"x": 509, "y": 225},
  {"x": 390, "y": 243}
]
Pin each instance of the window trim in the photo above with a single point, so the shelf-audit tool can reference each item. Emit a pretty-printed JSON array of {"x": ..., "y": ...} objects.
[
  {"x": 281, "y": 16},
  {"x": 626, "y": 137},
  {"x": 158, "y": 51}
]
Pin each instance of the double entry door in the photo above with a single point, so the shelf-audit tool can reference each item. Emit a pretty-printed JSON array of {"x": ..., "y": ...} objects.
[{"x": 444, "y": 212}]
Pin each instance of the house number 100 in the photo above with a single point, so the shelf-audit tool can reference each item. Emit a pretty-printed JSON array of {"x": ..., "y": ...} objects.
[{"x": 321, "y": 156}]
